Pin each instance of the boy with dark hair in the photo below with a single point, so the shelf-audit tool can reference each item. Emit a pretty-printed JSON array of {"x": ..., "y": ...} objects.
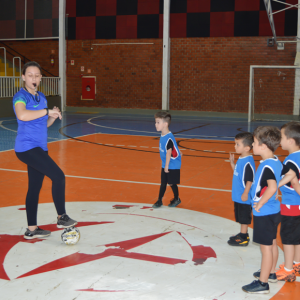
[
  {"x": 290, "y": 205},
  {"x": 171, "y": 159},
  {"x": 243, "y": 175},
  {"x": 266, "y": 208}
]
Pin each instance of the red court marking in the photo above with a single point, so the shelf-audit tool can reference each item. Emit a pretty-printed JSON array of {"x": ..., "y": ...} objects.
[
  {"x": 80, "y": 258},
  {"x": 129, "y": 244},
  {"x": 9, "y": 241},
  {"x": 146, "y": 207},
  {"x": 22, "y": 208},
  {"x": 201, "y": 253},
  {"x": 103, "y": 291}
]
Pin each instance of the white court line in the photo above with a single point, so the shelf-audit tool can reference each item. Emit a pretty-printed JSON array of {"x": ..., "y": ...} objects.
[
  {"x": 62, "y": 140},
  {"x": 2, "y": 126},
  {"x": 128, "y": 181},
  {"x": 152, "y": 132}
]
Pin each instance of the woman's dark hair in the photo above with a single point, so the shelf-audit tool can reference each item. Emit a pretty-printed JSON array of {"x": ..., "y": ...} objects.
[{"x": 31, "y": 64}]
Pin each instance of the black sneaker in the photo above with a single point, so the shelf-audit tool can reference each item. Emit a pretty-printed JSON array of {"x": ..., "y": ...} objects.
[
  {"x": 256, "y": 288},
  {"x": 272, "y": 276},
  {"x": 238, "y": 235},
  {"x": 175, "y": 202},
  {"x": 157, "y": 204},
  {"x": 37, "y": 233},
  {"x": 65, "y": 222},
  {"x": 238, "y": 241}
]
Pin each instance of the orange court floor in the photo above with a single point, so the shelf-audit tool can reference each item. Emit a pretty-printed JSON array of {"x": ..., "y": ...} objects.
[{"x": 125, "y": 168}]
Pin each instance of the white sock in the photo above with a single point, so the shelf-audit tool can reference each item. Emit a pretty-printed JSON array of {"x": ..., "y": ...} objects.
[
  {"x": 288, "y": 270},
  {"x": 295, "y": 262}
]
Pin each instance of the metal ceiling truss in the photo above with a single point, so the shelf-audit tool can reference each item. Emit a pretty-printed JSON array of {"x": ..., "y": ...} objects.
[{"x": 270, "y": 13}]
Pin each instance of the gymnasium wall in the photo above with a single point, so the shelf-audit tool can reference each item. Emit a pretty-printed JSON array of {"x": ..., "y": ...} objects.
[
  {"x": 207, "y": 74},
  {"x": 38, "y": 51},
  {"x": 213, "y": 44}
]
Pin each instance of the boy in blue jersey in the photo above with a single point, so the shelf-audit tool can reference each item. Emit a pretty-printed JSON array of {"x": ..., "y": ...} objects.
[
  {"x": 266, "y": 208},
  {"x": 290, "y": 205},
  {"x": 243, "y": 175},
  {"x": 171, "y": 159}
]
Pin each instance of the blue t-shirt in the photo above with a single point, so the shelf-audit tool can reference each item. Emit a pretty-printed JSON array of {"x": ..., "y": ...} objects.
[
  {"x": 289, "y": 195},
  {"x": 272, "y": 206},
  {"x": 239, "y": 178},
  {"x": 31, "y": 134},
  {"x": 175, "y": 161}
]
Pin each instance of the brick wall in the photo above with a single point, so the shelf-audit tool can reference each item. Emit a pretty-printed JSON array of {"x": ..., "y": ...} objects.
[
  {"x": 128, "y": 76},
  {"x": 212, "y": 74},
  {"x": 207, "y": 74},
  {"x": 38, "y": 51}
]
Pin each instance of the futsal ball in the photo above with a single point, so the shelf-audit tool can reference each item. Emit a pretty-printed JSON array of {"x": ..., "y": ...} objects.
[{"x": 70, "y": 236}]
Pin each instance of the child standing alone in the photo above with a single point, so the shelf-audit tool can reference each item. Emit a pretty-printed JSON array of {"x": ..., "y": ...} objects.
[
  {"x": 243, "y": 174},
  {"x": 170, "y": 157}
]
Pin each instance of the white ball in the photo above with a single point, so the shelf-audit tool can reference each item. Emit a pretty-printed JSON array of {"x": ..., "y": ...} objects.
[{"x": 70, "y": 236}]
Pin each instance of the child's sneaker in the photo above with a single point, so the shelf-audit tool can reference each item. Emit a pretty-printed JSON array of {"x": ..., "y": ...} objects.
[
  {"x": 284, "y": 275},
  {"x": 37, "y": 233},
  {"x": 157, "y": 204},
  {"x": 175, "y": 202},
  {"x": 272, "y": 277},
  {"x": 256, "y": 287},
  {"x": 65, "y": 222},
  {"x": 238, "y": 241},
  {"x": 238, "y": 235},
  {"x": 297, "y": 268}
]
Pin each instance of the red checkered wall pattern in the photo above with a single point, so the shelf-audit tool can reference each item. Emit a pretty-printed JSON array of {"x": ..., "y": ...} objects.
[{"x": 130, "y": 19}]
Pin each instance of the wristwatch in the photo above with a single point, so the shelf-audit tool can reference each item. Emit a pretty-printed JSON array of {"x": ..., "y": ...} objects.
[{"x": 47, "y": 111}]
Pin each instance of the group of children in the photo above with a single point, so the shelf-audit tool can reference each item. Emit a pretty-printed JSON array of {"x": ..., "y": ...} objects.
[
  {"x": 254, "y": 191},
  {"x": 259, "y": 191}
]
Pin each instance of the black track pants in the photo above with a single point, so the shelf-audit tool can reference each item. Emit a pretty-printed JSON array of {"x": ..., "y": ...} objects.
[{"x": 39, "y": 164}]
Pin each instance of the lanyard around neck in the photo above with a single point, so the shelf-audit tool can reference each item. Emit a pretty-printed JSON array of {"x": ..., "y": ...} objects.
[{"x": 35, "y": 97}]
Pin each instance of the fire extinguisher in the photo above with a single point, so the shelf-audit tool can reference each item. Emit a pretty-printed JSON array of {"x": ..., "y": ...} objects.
[{"x": 52, "y": 60}]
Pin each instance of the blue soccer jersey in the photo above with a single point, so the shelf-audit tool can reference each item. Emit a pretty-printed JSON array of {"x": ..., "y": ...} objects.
[
  {"x": 289, "y": 195},
  {"x": 272, "y": 206},
  {"x": 175, "y": 161},
  {"x": 244, "y": 171},
  {"x": 31, "y": 134}
]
